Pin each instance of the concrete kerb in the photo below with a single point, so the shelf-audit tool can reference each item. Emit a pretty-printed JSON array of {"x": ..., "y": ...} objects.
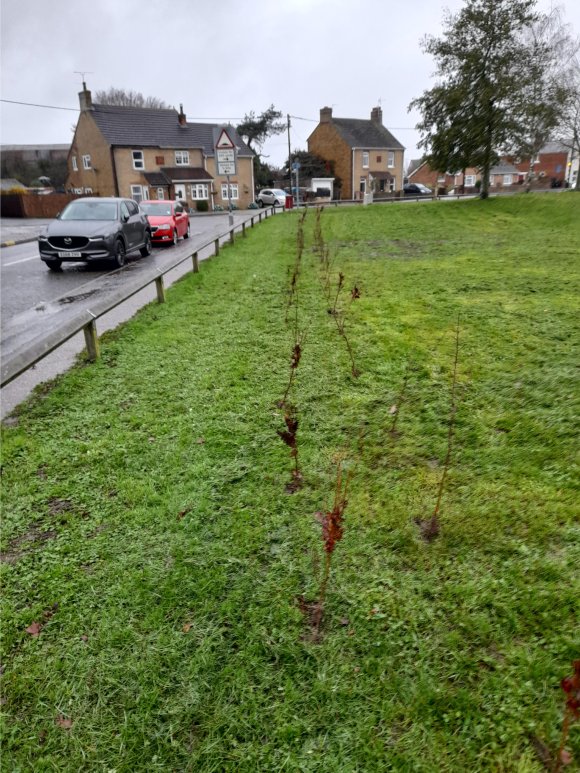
[{"x": 14, "y": 242}]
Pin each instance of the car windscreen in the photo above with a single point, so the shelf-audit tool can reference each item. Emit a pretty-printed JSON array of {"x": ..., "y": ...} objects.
[
  {"x": 278, "y": 192},
  {"x": 90, "y": 210},
  {"x": 156, "y": 209}
]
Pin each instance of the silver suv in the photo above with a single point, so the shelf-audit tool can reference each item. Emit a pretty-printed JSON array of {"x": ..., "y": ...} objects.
[{"x": 95, "y": 229}]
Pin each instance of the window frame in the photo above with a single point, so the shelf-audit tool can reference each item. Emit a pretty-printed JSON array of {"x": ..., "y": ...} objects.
[
  {"x": 135, "y": 160},
  {"x": 87, "y": 161},
  {"x": 74, "y": 163},
  {"x": 365, "y": 159},
  {"x": 508, "y": 179},
  {"x": 183, "y": 156},
  {"x": 144, "y": 193},
  {"x": 160, "y": 194},
  {"x": 469, "y": 180},
  {"x": 234, "y": 191},
  {"x": 390, "y": 159},
  {"x": 195, "y": 189}
]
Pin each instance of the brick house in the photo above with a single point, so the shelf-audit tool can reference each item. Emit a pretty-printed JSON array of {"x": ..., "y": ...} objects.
[
  {"x": 143, "y": 153},
  {"x": 551, "y": 164},
  {"x": 365, "y": 154}
]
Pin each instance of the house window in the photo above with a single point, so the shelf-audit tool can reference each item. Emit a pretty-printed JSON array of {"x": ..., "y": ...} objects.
[
  {"x": 86, "y": 162},
  {"x": 379, "y": 159},
  {"x": 363, "y": 185},
  {"x": 138, "y": 160},
  {"x": 441, "y": 180},
  {"x": 160, "y": 194},
  {"x": 390, "y": 159},
  {"x": 201, "y": 191},
  {"x": 233, "y": 191},
  {"x": 182, "y": 158},
  {"x": 365, "y": 160},
  {"x": 75, "y": 166},
  {"x": 507, "y": 179},
  {"x": 139, "y": 192},
  {"x": 470, "y": 180},
  {"x": 160, "y": 160}
]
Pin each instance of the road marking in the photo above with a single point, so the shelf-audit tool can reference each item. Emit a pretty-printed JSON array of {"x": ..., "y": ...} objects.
[{"x": 22, "y": 260}]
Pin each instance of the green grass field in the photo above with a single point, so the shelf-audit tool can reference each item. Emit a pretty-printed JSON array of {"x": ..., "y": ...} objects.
[{"x": 148, "y": 531}]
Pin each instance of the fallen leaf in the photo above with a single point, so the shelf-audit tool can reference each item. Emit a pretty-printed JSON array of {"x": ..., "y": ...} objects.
[
  {"x": 344, "y": 621},
  {"x": 393, "y": 410},
  {"x": 200, "y": 441},
  {"x": 64, "y": 722},
  {"x": 319, "y": 516},
  {"x": 84, "y": 637},
  {"x": 566, "y": 757},
  {"x": 187, "y": 627},
  {"x": 182, "y": 513},
  {"x": 34, "y": 629}
]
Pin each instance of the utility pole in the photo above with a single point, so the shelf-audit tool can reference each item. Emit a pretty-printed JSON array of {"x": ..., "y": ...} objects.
[{"x": 289, "y": 152}]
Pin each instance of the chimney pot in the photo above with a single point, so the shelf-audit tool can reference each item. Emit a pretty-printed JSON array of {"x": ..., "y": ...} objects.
[
  {"x": 326, "y": 115},
  {"x": 377, "y": 115},
  {"x": 85, "y": 99},
  {"x": 181, "y": 116}
]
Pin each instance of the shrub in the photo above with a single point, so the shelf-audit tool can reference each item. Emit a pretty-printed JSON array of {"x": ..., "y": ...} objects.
[{"x": 202, "y": 206}]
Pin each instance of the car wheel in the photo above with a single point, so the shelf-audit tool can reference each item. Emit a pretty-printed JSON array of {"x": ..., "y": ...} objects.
[
  {"x": 119, "y": 257},
  {"x": 275, "y": 204},
  {"x": 187, "y": 233},
  {"x": 260, "y": 203},
  {"x": 146, "y": 249},
  {"x": 175, "y": 237},
  {"x": 54, "y": 265}
]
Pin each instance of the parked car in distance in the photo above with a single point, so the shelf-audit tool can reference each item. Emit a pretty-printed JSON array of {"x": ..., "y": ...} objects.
[
  {"x": 168, "y": 220},
  {"x": 416, "y": 189},
  {"x": 271, "y": 197},
  {"x": 95, "y": 229}
]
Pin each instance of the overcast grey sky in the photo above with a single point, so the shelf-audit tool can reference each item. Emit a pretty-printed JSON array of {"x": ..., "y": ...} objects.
[{"x": 222, "y": 59}]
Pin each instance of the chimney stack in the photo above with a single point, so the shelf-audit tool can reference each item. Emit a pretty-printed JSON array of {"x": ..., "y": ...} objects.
[
  {"x": 181, "y": 116},
  {"x": 326, "y": 115},
  {"x": 377, "y": 115},
  {"x": 85, "y": 99}
]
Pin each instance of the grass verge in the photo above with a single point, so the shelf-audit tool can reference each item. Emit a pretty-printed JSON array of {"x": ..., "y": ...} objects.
[{"x": 148, "y": 533}]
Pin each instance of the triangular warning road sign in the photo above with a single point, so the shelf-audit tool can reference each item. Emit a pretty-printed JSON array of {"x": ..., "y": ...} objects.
[{"x": 224, "y": 140}]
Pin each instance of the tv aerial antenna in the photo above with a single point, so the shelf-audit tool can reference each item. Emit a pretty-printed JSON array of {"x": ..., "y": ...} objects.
[{"x": 82, "y": 73}]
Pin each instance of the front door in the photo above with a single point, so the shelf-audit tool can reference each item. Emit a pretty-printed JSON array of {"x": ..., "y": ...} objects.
[{"x": 180, "y": 192}]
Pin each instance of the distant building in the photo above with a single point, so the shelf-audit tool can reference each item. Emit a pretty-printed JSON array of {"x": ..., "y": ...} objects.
[
  {"x": 365, "y": 155},
  {"x": 143, "y": 153}
]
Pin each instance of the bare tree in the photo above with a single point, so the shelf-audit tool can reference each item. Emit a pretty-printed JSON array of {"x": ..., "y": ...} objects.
[
  {"x": 124, "y": 98},
  {"x": 569, "y": 129},
  {"x": 546, "y": 93}
]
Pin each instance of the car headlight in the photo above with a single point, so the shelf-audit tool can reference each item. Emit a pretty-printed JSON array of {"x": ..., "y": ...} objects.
[
  {"x": 164, "y": 227},
  {"x": 43, "y": 238}
]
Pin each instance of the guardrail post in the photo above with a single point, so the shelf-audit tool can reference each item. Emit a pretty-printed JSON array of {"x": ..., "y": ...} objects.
[
  {"x": 195, "y": 261},
  {"x": 92, "y": 340},
  {"x": 260, "y": 218},
  {"x": 232, "y": 236},
  {"x": 159, "y": 286},
  {"x": 217, "y": 247},
  {"x": 243, "y": 228},
  {"x": 252, "y": 221}
]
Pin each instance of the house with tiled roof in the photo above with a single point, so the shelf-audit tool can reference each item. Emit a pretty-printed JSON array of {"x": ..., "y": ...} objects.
[
  {"x": 366, "y": 156},
  {"x": 144, "y": 153}
]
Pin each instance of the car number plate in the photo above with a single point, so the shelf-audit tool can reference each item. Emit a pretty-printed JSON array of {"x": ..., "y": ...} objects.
[{"x": 69, "y": 254}]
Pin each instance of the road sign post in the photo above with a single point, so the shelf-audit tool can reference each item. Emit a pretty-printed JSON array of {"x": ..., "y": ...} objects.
[{"x": 226, "y": 162}]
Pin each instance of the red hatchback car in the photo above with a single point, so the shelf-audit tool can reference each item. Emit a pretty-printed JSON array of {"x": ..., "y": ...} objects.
[{"x": 168, "y": 220}]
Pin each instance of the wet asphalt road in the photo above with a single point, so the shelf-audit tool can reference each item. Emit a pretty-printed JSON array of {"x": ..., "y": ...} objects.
[{"x": 26, "y": 282}]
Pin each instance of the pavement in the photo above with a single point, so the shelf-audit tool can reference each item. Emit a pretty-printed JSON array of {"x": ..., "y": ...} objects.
[{"x": 16, "y": 230}]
